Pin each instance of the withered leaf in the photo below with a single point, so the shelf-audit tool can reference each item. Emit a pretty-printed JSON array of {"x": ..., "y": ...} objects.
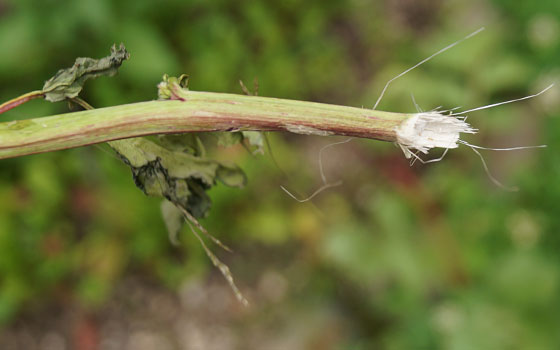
[
  {"x": 179, "y": 177},
  {"x": 228, "y": 139},
  {"x": 173, "y": 218},
  {"x": 67, "y": 83},
  {"x": 188, "y": 143},
  {"x": 173, "y": 167},
  {"x": 256, "y": 140}
]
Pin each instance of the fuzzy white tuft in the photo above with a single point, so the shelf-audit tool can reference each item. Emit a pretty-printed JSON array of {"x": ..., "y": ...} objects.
[{"x": 426, "y": 130}]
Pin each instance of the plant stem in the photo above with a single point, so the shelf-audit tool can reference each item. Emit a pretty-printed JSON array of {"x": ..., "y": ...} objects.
[
  {"x": 200, "y": 111},
  {"x": 13, "y": 103}
]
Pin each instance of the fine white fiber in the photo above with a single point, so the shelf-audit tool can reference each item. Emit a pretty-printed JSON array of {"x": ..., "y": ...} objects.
[
  {"x": 426, "y": 130},
  {"x": 326, "y": 184},
  {"x": 442, "y": 129},
  {"x": 424, "y": 61}
]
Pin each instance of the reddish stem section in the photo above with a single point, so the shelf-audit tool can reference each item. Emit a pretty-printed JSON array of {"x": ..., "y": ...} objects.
[{"x": 6, "y": 106}]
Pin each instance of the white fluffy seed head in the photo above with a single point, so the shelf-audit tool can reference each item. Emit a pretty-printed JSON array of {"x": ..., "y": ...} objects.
[{"x": 426, "y": 130}]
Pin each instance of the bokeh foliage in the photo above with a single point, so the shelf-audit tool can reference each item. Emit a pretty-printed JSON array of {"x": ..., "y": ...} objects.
[{"x": 398, "y": 257}]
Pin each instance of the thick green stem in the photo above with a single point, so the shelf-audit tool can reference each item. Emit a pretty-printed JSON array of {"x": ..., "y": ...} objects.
[{"x": 200, "y": 111}]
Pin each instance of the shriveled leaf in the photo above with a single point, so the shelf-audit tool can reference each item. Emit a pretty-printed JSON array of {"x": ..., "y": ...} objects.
[
  {"x": 177, "y": 176},
  {"x": 188, "y": 143},
  {"x": 231, "y": 175},
  {"x": 228, "y": 139},
  {"x": 174, "y": 167},
  {"x": 256, "y": 139},
  {"x": 67, "y": 83},
  {"x": 173, "y": 218}
]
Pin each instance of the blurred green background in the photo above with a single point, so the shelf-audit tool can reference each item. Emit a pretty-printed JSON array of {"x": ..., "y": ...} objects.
[{"x": 398, "y": 257}]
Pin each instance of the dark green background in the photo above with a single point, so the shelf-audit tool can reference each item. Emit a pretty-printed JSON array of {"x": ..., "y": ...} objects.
[{"x": 398, "y": 257}]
